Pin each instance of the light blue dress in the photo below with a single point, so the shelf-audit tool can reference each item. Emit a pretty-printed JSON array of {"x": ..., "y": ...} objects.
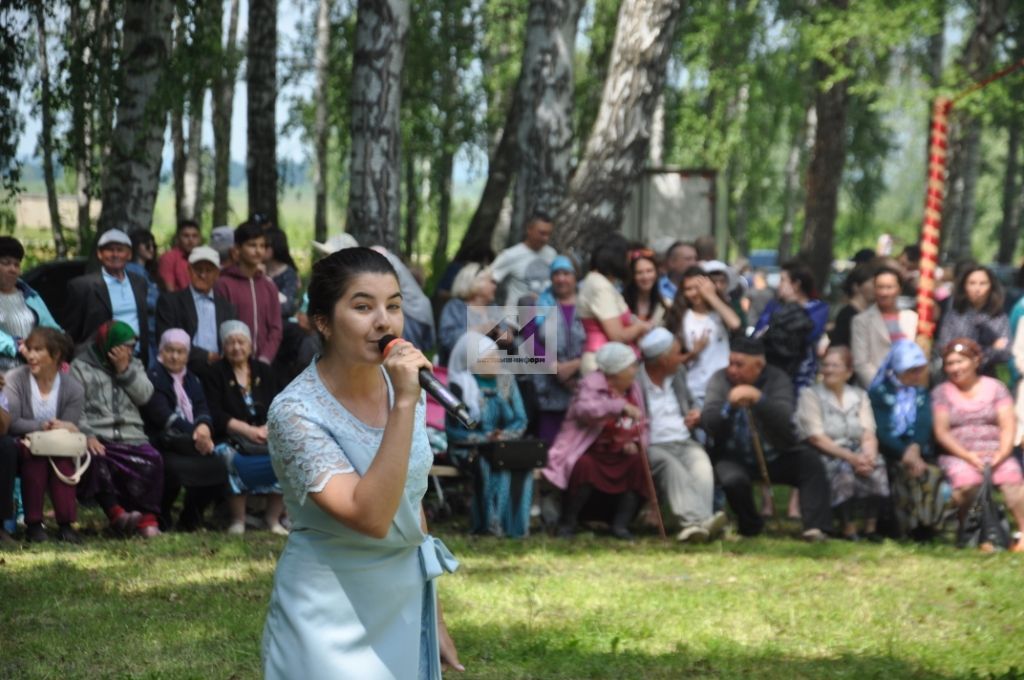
[{"x": 345, "y": 605}]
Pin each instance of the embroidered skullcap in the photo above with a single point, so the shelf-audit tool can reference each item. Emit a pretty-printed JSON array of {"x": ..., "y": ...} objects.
[{"x": 615, "y": 357}]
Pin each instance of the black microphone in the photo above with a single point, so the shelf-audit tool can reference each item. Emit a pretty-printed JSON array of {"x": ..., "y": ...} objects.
[{"x": 435, "y": 388}]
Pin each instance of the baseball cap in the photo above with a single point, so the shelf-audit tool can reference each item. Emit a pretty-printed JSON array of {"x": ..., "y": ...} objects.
[
  {"x": 204, "y": 254},
  {"x": 112, "y": 236}
]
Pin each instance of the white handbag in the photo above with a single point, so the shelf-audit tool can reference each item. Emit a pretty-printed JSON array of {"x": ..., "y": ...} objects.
[{"x": 61, "y": 444}]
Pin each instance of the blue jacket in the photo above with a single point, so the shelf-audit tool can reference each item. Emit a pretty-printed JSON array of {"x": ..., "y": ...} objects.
[{"x": 8, "y": 343}]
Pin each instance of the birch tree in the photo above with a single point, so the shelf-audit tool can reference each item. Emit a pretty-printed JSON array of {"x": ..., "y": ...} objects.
[
  {"x": 261, "y": 84},
  {"x": 222, "y": 102},
  {"x": 321, "y": 129},
  {"x": 46, "y": 133},
  {"x": 544, "y": 131},
  {"x": 132, "y": 171},
  {"x": 376, "y": 97},
  {"x": 617, "y": 147}
]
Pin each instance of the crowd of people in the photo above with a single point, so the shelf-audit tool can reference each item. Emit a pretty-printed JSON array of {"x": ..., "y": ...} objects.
[{"x": 682, "y": 385}]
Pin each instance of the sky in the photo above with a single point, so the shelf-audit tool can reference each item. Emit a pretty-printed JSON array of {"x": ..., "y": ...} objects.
[{"x": 289, "y": 147}]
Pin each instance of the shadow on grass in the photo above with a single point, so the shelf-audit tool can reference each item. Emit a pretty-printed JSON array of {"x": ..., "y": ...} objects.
[{"x": 493, "y": 652}]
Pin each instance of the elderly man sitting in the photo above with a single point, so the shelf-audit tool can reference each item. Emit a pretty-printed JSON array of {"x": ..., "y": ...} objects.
[
  {"x": 680, "y": 465},
  {"x": 746, "y": 393}
]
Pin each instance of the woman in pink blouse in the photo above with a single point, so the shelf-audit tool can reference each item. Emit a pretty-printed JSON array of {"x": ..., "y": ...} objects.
[{"x": 974, "y": 426}]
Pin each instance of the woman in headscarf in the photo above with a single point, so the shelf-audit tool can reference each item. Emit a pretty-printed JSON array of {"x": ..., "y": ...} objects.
[
  {"x": 501, "y": 498},
  {"x": 180, "y": 425},
  {"x": 975, "y": 428},
  {"x": 597, "y": 448},
  {"x": 903, "y": 420},
  {"x": 239, "y": 390},
  {"x": 127, "y": 474}
]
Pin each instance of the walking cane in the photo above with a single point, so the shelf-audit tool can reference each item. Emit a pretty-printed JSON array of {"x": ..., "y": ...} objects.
[
  {"x": 649, "y": 476},
  {"x": 755, "y": 438}
]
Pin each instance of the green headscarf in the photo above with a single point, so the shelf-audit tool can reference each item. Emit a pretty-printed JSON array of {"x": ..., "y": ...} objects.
[{"x": 109, "y": 335}]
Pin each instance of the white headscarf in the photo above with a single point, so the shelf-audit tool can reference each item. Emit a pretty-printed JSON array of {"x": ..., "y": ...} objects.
[
  {"x": 460, "y": 371},
  {"x": 614, "y": 357}
]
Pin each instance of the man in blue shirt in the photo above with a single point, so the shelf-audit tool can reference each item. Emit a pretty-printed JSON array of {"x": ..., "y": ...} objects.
[
  {"x": 111, "y": 293},
  {"x": 197, "y": 310},
  {"x": 679, "y": 257}
]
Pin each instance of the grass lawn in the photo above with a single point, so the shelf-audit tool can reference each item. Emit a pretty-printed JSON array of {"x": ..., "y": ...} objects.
[{"x": 192, "y": 606}]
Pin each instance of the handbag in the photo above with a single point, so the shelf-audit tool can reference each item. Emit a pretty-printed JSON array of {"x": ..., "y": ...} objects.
[
  {"x": 985, "y": 521},
  {"x": 515, "y": 454},
  {"x": 61, "y": 444}
]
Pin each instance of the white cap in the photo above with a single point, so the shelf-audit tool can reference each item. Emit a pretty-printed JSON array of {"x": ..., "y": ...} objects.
[
  {"x": 656, "y": 342},
  {"x": 114, "y": 236},
  {"x": 336, "y": 243},
  {"x": 204, "y": 254}
]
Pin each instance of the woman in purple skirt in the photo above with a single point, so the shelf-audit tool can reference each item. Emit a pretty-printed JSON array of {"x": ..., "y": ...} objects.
[{"x": 126, "y": 475}]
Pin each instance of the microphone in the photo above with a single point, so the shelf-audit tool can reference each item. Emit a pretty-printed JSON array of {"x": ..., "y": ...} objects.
[{"x": 434, "y": 388}]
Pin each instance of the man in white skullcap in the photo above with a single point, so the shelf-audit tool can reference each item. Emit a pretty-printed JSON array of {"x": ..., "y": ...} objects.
[{"x": 680, "y": 465}]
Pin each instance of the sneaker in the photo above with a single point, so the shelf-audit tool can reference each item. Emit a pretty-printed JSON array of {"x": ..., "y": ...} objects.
[
  {"x": 6, "y": 540},
  {"x": 277, "y": 529},
  {"x": 236, "y": 529},
  {"x": 35, "y": 533},
  {"x": 716, "y": 524},
  {"x": 693, "y": 534},
  {"x": 814, "y": 536}
]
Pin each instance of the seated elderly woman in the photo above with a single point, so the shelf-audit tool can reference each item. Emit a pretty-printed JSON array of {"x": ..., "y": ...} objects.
[
  {"x": 126, "y": 477},
  {"x": 836, "y": 419},
  {"x": 42, "y": 398},
  {"x": 974, "y": 428},
  {"x": 903, "y": 420},
  {"x": 239, "y": 390},
  {"x": 501, "y": 498},
  {"x": 180, "y": 425},
  {"x": 474, "y": 285},
  {"x": 597, "y": 448}
]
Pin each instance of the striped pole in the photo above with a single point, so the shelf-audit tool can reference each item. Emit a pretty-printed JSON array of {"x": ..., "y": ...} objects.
[{"x": 932, "y": 225}]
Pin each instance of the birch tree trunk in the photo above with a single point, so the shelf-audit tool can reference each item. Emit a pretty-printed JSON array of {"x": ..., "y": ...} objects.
[
  {"x": 323, "y": 46},
  {"x": 375, "y": 171},
  {"x": 545, "y": 131},
  {"x": 192, "y": 175},
  {"x": 965, "y": 136},
  {"x": 46, "y": 134},
  {"x": 81, "y": 96},
  {"x": 617, "y": 146},
  {"x": 132, "y": 174},
  {"x": 222, "y": 102},
  {"x": 1009, "y": 229},
  {"x": 825, "y": 172},
  {"x": 261, "y": 85}
]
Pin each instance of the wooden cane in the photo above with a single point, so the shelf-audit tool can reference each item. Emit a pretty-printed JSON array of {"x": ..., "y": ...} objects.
[
  {"x": 651, "y": 489},
  {"x": 762, "y": 464}
]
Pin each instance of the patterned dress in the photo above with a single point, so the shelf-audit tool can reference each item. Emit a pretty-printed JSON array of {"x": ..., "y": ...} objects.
[
  {"x": 974, "y": 423},
  {"x": 345, "y": 605},
  {"x": 820, "y": 413}
]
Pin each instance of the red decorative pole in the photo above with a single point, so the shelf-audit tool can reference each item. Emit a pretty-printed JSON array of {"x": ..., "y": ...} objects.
[{"x": 932, "y": 223}]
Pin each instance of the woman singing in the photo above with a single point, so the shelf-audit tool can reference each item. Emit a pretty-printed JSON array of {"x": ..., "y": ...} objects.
[{"x": 353, "y": 593}]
